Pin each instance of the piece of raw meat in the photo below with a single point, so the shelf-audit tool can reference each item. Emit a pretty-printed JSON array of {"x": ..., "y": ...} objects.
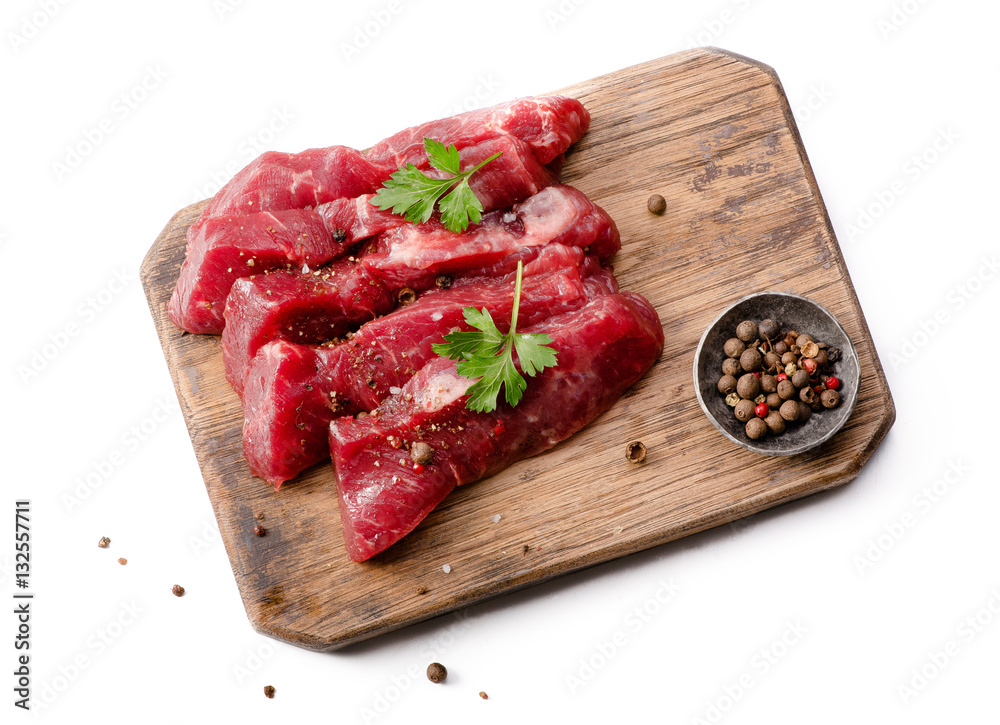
[
  {"x": 603, "y": 349},
  {"x": 225, "y": 248},
  {"x": 548, "y": 124},
  {"x": 292, "y": 391},
  {"x": 276, "y": 306}
]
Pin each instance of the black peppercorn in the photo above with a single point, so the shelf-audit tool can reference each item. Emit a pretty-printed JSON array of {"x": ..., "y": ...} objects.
[
  {"x": 802, "y": 339},
  {"x": 731, "y": 367},
  {"x": 422, "y": 453},
  {"x": 833, "y": 354},
  {"x": 804, "y": 412},
  {"x": 746, "y": 331},
  {"x": 788, "y": 358},
  {"x": 756, "y": 428},
  {"x": 780, "y": 347},
  {"x": 786, "y": 390},
  {"x": 734, "y": 347},
  {"x": 436, "y": 672},
  {"x": 768, "y": 384},
  {"x": 775, "y": 423},
  {"x": 750, "y": 359},
  {"x": 771, "y": 361},
  {"x": 727, "y": 384},
  {"x": 800, "y": 379},
  {"x": 789, "y": 410},
  {"x": 769, "y": 329},
  {"x": 822, "y": 358},
  {"x": 830, "y": 398},
  {"x": 748, "y": 386},
  {"x": 774, "y": 401},
  {"x": 807, "y": 395},
  {"x": 744, "y": 410},
  {"x": 656, "y": 204}
]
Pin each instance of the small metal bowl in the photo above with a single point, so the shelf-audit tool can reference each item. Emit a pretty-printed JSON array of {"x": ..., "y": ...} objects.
[{"x": 791, "y": 312}]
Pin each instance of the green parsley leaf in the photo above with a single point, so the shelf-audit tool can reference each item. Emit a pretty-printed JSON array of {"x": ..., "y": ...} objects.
[
  {"x": 488, "y": 355},
  {"x": 411, "y": 193}
]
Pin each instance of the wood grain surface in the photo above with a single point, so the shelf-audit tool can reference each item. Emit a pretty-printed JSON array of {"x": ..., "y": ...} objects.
[{"x": 713, "y": 133}]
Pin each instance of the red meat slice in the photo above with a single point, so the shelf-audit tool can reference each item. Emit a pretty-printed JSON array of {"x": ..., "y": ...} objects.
[
  {"x": 292, "y": 391},
  {"x": 603, "y": 349},
  {"x": 557, "y": 214},
  {"x": 214, "y": 261},
  {"x": 548, "y": 124},
  {"x": 301, "y": 307},
  {"x": 276, "y": 306}
]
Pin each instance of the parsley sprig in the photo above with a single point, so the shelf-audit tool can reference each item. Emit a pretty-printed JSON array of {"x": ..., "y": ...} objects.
[
  {"x": 488, "y": 355},
  {"x": 411, "y": 193}
]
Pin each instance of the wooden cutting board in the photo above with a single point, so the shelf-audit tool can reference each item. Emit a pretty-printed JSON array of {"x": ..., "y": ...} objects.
[{"x": 713, "y": 133}]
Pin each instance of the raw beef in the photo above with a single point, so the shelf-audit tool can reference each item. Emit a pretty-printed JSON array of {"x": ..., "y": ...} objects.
[
  {"x": 603, "y": 349},
  {"x": 323, "y": 306},
  {"x": 293, "y": 391},
  {"x": 211, "y": 265}
]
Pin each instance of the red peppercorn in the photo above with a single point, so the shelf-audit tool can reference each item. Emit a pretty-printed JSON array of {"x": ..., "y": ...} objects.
[
  {"x": 418, "y": 468},
  {"x": 818, "y": 389},
  {"x": 761, "y": 410},
  {"x": 809, "y": 365},
  {"x": 780, "y": 376},
  {"x": 499, "y": 428},
  {"x": 832, "y": 383},
  {"x": 756, "y": 375}
]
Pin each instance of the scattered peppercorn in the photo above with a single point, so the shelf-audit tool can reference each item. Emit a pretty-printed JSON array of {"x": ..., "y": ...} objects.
[
  {"x": 442, "y": 281},
  {"x": 421, "y": 453},
  {"x": 635, "y": 452},
  {"x": 178, "y": 590},
  {"x": 406, "y": 296},
  {"x": 830, "y": 398},
  {"x": 339, "y": 235},
  {"x": 104, "y": 542},
  {"x": 484, "y": 695},
  {"x": 269, "y": 692},
  {"x": 259, "y": 530},
  {"x": 656, "y": 204},
  {"x": 833, "y": 355},
  {"x": 260, "y": 515},
  {"x": 123, "y": 561},
  {"x": 421, "y": 590},
  {"x": 436, "y": 672}
]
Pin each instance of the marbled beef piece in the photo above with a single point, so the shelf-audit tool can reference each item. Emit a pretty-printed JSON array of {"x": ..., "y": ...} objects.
[
  {"x": 547, "y": 124},
  {"x": 293, "y": 391},
  {"x": 272, "y": 306},
  {"x": 603, "y": 349},
  {"x": 303, "y": 307},
  {"x": 216, "y": 249}
]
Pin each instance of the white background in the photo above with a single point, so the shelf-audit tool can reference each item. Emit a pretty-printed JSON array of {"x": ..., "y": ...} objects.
[{"x": 873, "y": 85}]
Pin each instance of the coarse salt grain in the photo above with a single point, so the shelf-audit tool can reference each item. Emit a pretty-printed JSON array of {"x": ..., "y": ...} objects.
[
  {"x": 446, "y": 569},
  {"x": 395, "y": 391},
  {"x": 436, "y": 316},
  {"x": 495, "y": 518}
]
